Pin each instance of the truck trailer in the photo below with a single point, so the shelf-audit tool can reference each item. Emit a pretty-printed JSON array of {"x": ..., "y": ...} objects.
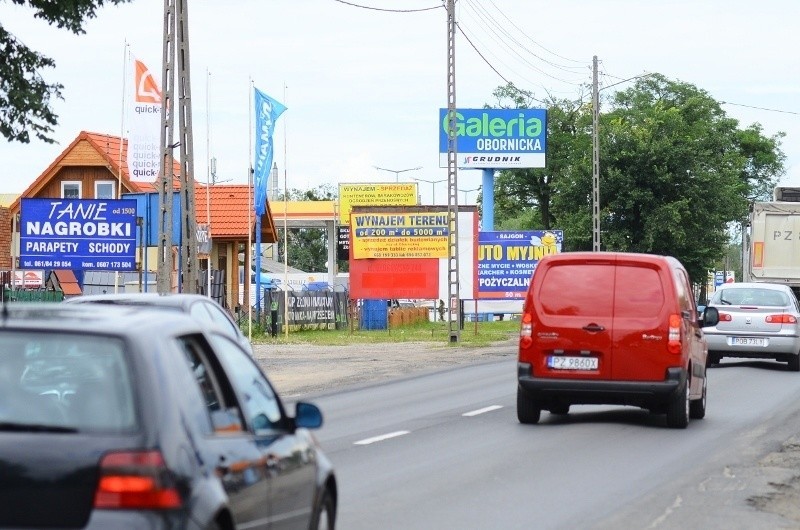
[{"x": 772, "y": 249}]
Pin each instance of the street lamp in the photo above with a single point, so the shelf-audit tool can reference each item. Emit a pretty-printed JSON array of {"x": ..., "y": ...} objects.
[
  {"x": 433, "y": 184},
  {"x": 467, "y": 191},
  {"x": 397, "y": 171}
]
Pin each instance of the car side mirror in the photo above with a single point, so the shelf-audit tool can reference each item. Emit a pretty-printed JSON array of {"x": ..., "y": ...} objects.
[
  {"x": 307, "y": 416},
  {"x": 710, "y": 317}
]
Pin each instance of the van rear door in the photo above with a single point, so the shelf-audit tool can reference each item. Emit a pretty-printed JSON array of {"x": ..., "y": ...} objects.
[
  {"x": 572, "y": 335},
  {"x": 641, "y": 316}
]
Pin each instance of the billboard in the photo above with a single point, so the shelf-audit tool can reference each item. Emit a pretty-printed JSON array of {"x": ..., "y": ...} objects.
[
  {"x": 506, "y": 260},
  {"x": 399, "y": 234},
  {"x": 78, "y": 234},
  {"x": 496, "y": 138},
  {"x": 376, "y": 194}
]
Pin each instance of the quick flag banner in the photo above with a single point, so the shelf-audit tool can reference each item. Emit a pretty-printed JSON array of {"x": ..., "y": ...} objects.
[
  {"x": 267, "y": 112},
  {"x": 144, "y": 136}
]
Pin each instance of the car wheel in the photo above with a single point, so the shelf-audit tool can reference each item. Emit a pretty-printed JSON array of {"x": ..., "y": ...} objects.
[
  {"x": 528, "y": 409},
  {"x": 712, "y": 359},
  {"x": 697, "y": 407},
  {"x": 678, "y": 407},
  {"x": 324, "y": 517},
  {"x": 559, "y": 409},
  {"x": 794, "y": 363}
]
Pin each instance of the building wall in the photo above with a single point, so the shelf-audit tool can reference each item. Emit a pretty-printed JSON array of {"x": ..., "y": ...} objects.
[{"x": 5, "y": 239}]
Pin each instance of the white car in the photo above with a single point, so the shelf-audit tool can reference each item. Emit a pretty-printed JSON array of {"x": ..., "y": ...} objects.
[{"x": 756, "y": 320}]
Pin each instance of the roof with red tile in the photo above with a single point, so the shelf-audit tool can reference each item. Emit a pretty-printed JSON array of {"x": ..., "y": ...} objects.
[
  {"x": 231, "y": 210},
  {"x": 67, "y": 282}
]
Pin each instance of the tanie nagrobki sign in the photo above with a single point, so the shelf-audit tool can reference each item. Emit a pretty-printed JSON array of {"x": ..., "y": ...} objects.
[
  {"x": 496, "y": 138},
  {"x": 78, "y": 234}
]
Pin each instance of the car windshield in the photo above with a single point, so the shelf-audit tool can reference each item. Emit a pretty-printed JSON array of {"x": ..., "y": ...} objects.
[
  {"x": 750, "y": 296},
  {"x": 65, "y": 380}
]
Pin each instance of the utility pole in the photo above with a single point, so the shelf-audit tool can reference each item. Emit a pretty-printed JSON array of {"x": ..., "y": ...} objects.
[
  {"x": 454, "y": 322},
  {"x": 176, "y": 50},
  {"x": 595, "y": 159}
]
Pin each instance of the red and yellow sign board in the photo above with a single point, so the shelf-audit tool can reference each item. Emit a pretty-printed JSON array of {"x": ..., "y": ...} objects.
[
  {"x": 399, "y": 234},
  {"x": 401, "y": 194}
]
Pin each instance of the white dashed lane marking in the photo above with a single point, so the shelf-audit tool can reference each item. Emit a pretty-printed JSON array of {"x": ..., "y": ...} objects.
[
  {"x": 481, "y": 411},
  {"x": 381, "y": 438}
]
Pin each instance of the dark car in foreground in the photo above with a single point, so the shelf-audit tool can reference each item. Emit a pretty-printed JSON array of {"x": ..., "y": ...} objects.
[
  {"x": 203, "y": 308},
  {"x": 756, "y": 320},
  {"x": 134, "y": 417}
]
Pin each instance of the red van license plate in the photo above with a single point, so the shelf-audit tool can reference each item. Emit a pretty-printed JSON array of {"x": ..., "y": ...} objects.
[{"x": 572, "y": 363}]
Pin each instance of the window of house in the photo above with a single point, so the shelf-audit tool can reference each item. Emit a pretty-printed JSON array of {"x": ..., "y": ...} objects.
[
  {"x": 104, "y": 189},
  {"x": 71, "y": 190}
]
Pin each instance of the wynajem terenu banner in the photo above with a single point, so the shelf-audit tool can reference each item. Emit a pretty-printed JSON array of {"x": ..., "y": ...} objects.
[
  {"x": 267, "y": 112},
  {"x": 144, "y": 137}
]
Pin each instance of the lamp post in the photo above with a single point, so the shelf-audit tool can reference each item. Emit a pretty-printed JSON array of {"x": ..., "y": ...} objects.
[
  {"x": 467, "y": 191},
  {"x": 433, "y": 184},
  {"x": 397, "y": 171}
]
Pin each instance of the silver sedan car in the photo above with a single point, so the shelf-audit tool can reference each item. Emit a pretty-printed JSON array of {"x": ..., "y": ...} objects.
[{"x": 756, "y": 320}]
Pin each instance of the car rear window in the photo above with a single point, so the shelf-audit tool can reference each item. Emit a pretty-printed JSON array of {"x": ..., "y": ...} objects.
[
  {"x": 750, "y": 296},
  {"x": 577, "y": 289},
  {"x": 65, "y": 380},
  {"x": 638, "y": 292}
]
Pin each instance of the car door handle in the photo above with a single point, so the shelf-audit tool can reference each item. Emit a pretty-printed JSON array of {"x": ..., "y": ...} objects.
[{"x": 594, "y": 327}]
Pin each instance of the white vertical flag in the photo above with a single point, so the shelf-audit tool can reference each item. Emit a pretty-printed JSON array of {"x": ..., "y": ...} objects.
[{"x": 144, "y": 137}]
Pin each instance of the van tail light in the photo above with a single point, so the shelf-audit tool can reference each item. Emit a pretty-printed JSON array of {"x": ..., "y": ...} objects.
[
  {"x": 674, "y": 340},
  {"x": 526, "y": 331},
  {"x": 135, "y": 480},
  {"x": 781, "y": 319},
  {"x": 725, "y": 317}
]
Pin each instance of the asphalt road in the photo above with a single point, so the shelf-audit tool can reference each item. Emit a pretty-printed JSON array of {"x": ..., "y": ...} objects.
[{"x": 444, "y": 450}]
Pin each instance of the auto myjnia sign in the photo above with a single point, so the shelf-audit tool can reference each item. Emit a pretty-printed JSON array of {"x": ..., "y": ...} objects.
[
  {"x": 399, "y": 235},
  {"x": 496, "y": 138},
  {"x": 78, "y": 234}
]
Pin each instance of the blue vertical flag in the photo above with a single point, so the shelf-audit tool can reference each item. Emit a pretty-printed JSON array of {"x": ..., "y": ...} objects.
[{"x": 267, "y": 112}]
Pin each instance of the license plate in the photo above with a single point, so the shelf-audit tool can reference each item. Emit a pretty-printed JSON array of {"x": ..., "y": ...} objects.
[
  {"x": 749, "y": 341},
  {"x": 572, "y": 363}
]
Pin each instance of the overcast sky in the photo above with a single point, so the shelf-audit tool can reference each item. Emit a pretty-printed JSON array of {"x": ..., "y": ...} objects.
[{"x": 363, "y": 86}]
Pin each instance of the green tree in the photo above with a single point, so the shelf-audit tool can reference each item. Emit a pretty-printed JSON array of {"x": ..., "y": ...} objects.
[
  {"x": 308, "y": 247},
  {"x": 676, "y": 174},
  {"x": 25, "y": 96}
]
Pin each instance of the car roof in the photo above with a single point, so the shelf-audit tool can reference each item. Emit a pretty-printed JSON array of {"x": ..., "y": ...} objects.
[
  {"x": 95, "y": 319},
  {"x": 168, "y": 299},
  {"x": 756, "y": 285}
]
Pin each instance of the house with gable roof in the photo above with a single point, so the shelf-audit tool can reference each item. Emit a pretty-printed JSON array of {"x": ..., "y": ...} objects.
[{"x": 94, "y": 166}]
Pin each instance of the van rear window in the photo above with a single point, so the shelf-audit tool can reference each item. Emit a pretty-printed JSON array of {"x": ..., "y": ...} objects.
[
  {"x": 638, "y": 293},
  {"x": 577, "y": 289}
]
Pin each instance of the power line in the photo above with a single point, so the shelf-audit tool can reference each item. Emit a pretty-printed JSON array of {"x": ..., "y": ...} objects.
[
  {"x": 389, "y": 10},
  {"x": 760, "y": 108},
  {"x": 583, "y": 63},
  {"x": 486, "y": 16}
]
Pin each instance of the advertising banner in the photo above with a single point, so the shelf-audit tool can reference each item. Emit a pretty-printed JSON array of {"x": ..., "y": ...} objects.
[
  {"x": 78, "y": 234},
  {"x": 496, "y": 138},
  {"x": 144, "y": 138},
  {"x": 268, "y": 110},
  {"x": 343, "y": 243},
  {"x": 404, "y": 194},
  {"x": 506, "y": 260},
  {"x": 399, "y": 235}
]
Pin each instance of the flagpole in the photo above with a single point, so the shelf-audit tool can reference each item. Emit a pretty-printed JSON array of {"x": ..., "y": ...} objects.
[
  {"x": 121, "y": 137},
  {"x": 249, "y": 210},
  {"x": 208, "y": 186},
  {"x": 285, "y": 232}
]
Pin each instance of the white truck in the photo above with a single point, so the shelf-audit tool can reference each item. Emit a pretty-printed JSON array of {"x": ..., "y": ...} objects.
[{"x": 772, "y": 253}]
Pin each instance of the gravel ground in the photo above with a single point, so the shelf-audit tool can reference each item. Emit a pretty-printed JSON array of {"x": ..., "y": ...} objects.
[{"x": 299, "y": 370}]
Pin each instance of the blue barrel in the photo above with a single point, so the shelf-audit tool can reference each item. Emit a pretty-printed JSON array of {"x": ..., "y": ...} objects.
[{"x": 373, "y": 314}]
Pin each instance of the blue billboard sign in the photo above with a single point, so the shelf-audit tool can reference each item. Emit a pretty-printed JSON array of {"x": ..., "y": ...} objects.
[
  {"x": 496, "y": 138},
  {"x": 506, "y": 260},
  {"x": 78, "y": 234}
]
